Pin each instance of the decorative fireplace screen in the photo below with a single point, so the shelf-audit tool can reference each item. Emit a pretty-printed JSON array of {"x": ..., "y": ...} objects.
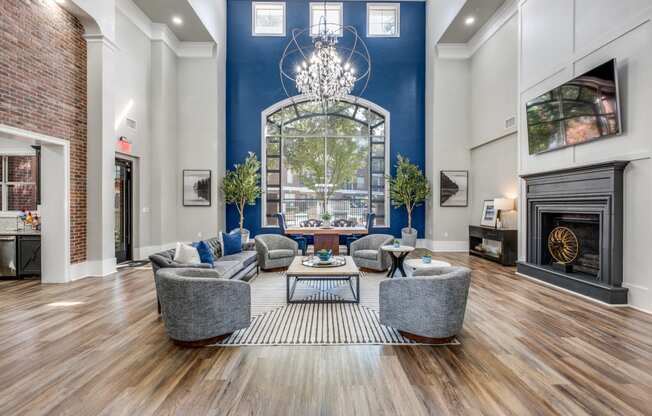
[{"x": 573, "y": 243}]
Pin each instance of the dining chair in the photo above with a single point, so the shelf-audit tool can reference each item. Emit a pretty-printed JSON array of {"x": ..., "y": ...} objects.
[
  {"x": 300, "y": 239},
  {"x": 311, "y": 223},
  {"x": 371, "y": 217},
  {"x": 344, "y": 223}
]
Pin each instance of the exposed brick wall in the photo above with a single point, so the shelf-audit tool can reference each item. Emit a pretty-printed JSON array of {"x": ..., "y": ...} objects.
[{"x": 43, "y": 88}]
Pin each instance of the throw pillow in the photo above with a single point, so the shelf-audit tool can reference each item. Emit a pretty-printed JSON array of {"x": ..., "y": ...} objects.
[
  {"x": 186, "y": 254},
  {"x": 232, "y": 244},
  {"x": 205, "y": 252}
]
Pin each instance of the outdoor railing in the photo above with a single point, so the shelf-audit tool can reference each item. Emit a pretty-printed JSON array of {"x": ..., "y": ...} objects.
[{"x": 298, "y": 210}]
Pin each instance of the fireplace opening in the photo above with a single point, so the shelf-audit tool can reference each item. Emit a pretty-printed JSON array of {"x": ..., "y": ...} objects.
[{"x": 571, "y": 243}]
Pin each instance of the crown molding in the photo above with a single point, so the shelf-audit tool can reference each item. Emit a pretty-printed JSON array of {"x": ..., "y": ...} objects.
[
  {"x": 162, "y": 32},
  {"x": 94, "y": 38},
  {"x": 197, "y": 50},
  {"x": 453, "y": 51},
  {"x": 466, "y": 50}
]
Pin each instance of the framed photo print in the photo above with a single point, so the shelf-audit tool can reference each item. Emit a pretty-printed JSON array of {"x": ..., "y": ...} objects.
[
  {"x": 197, "y": 188},
  {"x": 454, "y": 188},
  {"x": 489, "y": 214}
]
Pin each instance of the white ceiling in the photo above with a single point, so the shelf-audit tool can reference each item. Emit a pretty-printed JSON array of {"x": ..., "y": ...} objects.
[
  {"x": 161, "y": 11},
  {"x": 481, "y": 10}
]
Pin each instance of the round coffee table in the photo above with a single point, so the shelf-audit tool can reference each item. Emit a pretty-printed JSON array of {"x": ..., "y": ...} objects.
[
  {"x": 418, "y": 264},
  {"x": 398, "y": 255}
]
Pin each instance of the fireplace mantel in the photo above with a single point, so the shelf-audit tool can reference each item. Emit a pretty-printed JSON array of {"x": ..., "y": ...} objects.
[{"x": 595, "y": 190}]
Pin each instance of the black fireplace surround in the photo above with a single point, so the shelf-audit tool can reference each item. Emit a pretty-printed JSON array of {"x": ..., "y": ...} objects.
[{"x": 588, "y": 201}]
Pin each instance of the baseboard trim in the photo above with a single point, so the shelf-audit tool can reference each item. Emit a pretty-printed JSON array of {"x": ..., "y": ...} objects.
[
  {"x": 638, "y": 308},
  {"x": 142, "y": 253},
  {"x": 444, "y": 246},
  {"x": 92, "y": 268}
]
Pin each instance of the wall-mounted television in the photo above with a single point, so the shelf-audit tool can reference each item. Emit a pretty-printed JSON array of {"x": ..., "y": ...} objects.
[{"x": 584, "y": 109}]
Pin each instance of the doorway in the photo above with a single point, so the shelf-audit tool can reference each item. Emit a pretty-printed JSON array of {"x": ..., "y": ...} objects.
[{"x": 123, "y": 210}]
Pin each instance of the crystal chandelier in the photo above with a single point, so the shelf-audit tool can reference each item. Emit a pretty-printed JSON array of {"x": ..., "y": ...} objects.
[
  {"x": 324, "y": 77},
  {"x": 326, "y": 68}
]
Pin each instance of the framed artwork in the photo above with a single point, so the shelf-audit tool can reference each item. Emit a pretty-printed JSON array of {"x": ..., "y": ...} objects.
[
  {"x": 489, "y": 214},
  {"x": 454, "y": 188},
  {"x": 197, "y": 188}
]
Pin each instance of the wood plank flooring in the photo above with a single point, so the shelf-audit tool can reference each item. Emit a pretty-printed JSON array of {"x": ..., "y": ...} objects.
[{"x": 98, "y": 347}]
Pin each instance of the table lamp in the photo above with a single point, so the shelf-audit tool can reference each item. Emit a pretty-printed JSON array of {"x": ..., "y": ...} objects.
[{"x": 502, "y": 204}]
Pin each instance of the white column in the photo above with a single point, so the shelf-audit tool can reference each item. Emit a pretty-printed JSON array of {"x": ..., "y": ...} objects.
[
  {"x": 55, "y": 212},
  {"x": 100, "y": 155}
]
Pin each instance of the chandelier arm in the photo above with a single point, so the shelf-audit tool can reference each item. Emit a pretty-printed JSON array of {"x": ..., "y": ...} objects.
[
  {"x": 355, "y": 41},
  {"x": 367, "y": 74},
  {"x": 294, "y": 40}
]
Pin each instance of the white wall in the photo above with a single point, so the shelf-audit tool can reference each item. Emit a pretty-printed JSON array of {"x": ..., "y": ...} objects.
[
  {"x": 133, "y": 101},
  {"x": 494, "y": 85},
  {"x": 165, "y": 172},
  {"x": 97, "y": 16},
  {"x": 439, "y": 15},
  {"x": 605, "y": 29},
  {"x": 447, "y": 149},
  {"x": 198, "y": 142},
  {"x": 493, "y": 174},
  {"x": 175, "y": 102},
  {"x": 469, "y": 104},
  {"x": 213, "y": 14},
  {"x": 494, "y": 154}
]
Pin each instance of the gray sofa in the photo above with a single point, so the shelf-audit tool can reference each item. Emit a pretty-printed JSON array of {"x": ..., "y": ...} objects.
[
  {"x": 366, "y": 252},
  {"x": 198, "y": 307},
  {"x": 275, "y": 251},
  {"x": 239, "y": 266},
  {"x": 426, "y": 307}
]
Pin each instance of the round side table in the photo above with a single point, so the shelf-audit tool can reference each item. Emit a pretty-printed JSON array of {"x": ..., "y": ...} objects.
[
  {"x": 398, "y": 255},
  {"x": 418, "y": 264}
]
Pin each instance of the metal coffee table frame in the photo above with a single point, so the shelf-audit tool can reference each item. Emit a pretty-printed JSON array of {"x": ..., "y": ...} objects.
[{"x": 290, "y": 288}]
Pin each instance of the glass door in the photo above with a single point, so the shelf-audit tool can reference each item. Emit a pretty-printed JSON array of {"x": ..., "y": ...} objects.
[{"x": 123, "y": 210}]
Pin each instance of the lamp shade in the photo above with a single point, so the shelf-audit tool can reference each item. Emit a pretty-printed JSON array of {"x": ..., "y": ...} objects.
[{"x": 504, "y": 204}]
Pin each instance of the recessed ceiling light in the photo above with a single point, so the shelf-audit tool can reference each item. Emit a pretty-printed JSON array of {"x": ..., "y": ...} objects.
[
  {"x": 469, "y": 20},
  {"x": 177, "y": 20},
  {"x": 60, "y": 1}
]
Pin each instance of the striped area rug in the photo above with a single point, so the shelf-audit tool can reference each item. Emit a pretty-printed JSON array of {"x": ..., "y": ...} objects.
[{"x": 277, "y": 323}]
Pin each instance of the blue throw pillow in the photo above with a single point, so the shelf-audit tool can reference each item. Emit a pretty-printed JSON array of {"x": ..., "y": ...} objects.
[
  {"x": 205, "y": 252},
  {"x": 232, "y": 243}
]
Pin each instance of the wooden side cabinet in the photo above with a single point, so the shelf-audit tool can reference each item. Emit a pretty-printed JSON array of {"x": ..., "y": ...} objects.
[
  {"x": 505, "y": 239},
  {"x": 28, "y": 255}
]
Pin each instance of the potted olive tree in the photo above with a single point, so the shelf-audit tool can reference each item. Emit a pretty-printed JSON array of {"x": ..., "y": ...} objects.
[
  {"x": 241, "y": 187},
  {"x": 409, "y": 188}
]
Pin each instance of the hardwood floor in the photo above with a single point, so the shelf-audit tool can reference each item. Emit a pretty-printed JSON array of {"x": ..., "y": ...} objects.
[{"x": 97, "y": 346}]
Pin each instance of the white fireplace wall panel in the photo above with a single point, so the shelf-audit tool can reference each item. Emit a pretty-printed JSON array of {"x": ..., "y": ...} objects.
[{"x": 587, "y": 33}]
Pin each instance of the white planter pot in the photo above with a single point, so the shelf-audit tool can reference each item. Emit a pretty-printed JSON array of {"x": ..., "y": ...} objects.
[
  {"x": 409, "y": 237},
  {"x": 244, "y": 236}
]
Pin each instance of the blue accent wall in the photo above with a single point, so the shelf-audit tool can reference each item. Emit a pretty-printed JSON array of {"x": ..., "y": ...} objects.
[{"x": 397, "y": 84}]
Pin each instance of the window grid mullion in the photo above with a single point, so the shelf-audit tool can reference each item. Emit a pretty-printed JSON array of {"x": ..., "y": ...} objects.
[{"x": 5, "y": 187}]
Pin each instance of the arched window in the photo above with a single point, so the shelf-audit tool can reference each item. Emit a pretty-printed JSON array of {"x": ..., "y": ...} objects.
[{"x": 329, "y": 158}]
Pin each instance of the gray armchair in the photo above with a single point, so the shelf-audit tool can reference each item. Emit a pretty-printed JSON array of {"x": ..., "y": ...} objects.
[
  {"x": 200, "y": 308},
  {"x": 275, "y": 251},
  {"x": 426, "y": 307},
  {"x": 366, "y": 252}
]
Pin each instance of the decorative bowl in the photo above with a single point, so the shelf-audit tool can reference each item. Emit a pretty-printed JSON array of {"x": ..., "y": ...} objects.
[
  {"x": 324, "y": 255},
  {"x": 426, "y": 259}
]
